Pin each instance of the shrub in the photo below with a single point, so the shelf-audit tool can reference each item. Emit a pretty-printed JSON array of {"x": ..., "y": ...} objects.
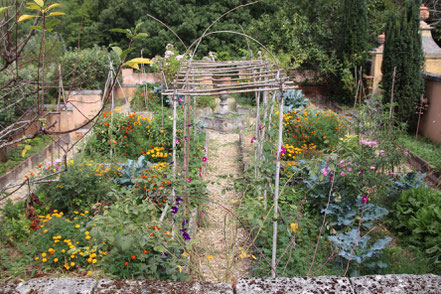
[
  {"x": 82, "y": 185},
  {"x": 206, "y": 101},
  {"x": 418, "y": 213},
  {"x": 91, "y": 65},
  {"x": 307, "y": 130},
  {"x": 146, "y": 97},
  {"x": 65, "y": 243},
  {"x": 14, "y": 226},
  {"x": 138, "y": 245},
  {"x": 127, "y": 136}
]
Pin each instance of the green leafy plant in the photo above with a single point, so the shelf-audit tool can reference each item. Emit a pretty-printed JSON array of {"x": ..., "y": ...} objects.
[
  {"x": 294, "y": 100},
  {"x": 138, "y": 245},
  {"x": 418, "y": 213},
  {"x": 81, "y": 186}
]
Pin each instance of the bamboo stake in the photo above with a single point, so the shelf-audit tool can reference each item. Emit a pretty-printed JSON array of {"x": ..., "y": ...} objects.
[
  {"x": 276, "y": 186},
  {"x": 391, "y": 109}
]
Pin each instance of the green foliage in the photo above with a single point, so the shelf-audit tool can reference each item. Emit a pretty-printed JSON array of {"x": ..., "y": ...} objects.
[
  {"x": 424, "y": 148},
  {"x": 403, "y": 51},
  {"x": 15, "y": 156},
  {"x": 294, "y": 252},
  {"x": 146, "y": 98},
  {"x": 294, "y": 100},
  {"x": 418, "y": 219},
  {"x": 139, "y": 246},
  {"x": 206, "y": 101},
  {"x": 312, "y": 129},
  {"x": 407, "y": 260},
  {"x": 352, "y": 44},
  {"x": 63, "y": 243},
  {"x": 14, "y": 226},
  {"x": 82, "y": 185},
  {"x": 91, "y": 67}
]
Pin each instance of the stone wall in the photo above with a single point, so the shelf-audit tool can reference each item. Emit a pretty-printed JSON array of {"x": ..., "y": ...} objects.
[
  {"x": 54, "y": 151},
  {"x": 391, "y": 284},
  {"x": 431, "y": 120},
  {"x": 129, "y": 77}
]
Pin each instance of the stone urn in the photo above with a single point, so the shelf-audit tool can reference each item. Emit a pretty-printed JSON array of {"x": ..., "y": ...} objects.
[{"x": 223, "y": 110}]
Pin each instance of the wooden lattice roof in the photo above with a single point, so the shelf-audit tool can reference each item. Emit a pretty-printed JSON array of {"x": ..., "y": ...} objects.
[{"x": 203, "y": 78}]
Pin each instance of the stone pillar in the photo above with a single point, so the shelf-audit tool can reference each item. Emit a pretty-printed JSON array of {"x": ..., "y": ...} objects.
[
  {"x": 377, "y": 60},
  {"x": 432, "y": 52}
]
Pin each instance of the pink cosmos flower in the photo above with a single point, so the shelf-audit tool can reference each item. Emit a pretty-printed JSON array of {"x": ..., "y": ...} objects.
[
  {"x": 200, "y": 175},
  {"x": 252, "y": 140},
  {"x": 283, "y": 150},
  {"x": 372, "y": 167},
  {"x": 342, "y": 174},
  {"x": 406, "y": 152},
  {"x": 349, "y": 169},
  {"x": 364, "y": 199},
  {"x": 189, "y": 180},
  {"x": 204, "y": 159},
  {"x": 382, "y": 154},
  {"x": 260, "y": 127}
]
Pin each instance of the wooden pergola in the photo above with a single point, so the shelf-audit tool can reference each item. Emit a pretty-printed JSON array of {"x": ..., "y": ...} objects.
[{"x": 211, "y": 78}]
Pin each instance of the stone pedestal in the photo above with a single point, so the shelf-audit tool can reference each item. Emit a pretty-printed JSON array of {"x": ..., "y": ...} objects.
[
  {"x": 223, "y": 111},
  {"x": 225, "y": 123}
]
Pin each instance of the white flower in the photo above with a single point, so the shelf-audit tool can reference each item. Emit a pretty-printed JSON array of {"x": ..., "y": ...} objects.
[{"x": 168, "y": 53}]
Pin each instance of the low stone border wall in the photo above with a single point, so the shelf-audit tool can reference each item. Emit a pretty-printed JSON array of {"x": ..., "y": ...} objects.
[
  {"x": 52, "y": 150},
  {"x": 391, "y": 284}
]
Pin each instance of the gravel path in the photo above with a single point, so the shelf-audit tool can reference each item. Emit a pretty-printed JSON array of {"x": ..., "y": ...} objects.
[{"x": 222, "y": 240}]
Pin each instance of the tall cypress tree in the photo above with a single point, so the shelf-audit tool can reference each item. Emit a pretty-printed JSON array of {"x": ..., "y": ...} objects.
[
  {"x": 351, "y": 45},
  {"x": 353, "y": 33},
  {"x": 403, "y": 50}
]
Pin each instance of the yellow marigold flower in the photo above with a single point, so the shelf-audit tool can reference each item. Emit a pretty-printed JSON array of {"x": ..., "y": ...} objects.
[
  {"x": 44, "y": 260},
  {"x": 45, "y": 231},
  {"x": 72, "y": 264},
  {"x": 77, "y": 226},
  {"x": 86, "y": 211},
  {"x": 88, "y": 237},
  {"x": 55, "y": 259},
  {"x": 86, "y": 233},
  {"x": 210, "y": 256},
  {"x": 43, "y": 254},
  {"x": 63, "y": 251},
  {"x": 37, "y": 258},
  {"x": 89, "y": 272},
  {"x": 94, "y": 261}
]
